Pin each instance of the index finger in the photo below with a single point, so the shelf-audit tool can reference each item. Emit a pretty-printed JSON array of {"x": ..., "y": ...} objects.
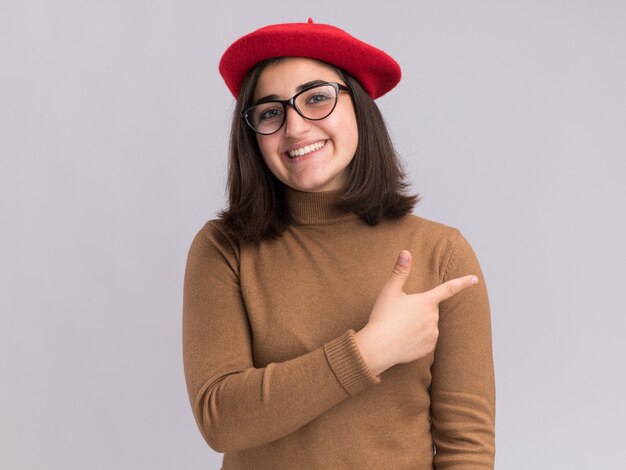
[{"x": 452, "y": 287}]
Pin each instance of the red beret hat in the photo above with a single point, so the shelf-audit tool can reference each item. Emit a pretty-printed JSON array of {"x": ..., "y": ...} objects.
[{"x": 376, "y": 71}]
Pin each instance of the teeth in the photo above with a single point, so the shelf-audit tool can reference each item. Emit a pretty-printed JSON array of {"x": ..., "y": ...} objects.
[{"x": 307, "y": 149}]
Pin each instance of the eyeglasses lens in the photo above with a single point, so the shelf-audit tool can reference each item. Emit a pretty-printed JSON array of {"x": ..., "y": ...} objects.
[{"x": 315, "y": 103}]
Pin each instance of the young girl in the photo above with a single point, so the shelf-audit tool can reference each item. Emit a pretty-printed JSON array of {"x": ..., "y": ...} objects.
[{"x": 324, "y": 325}]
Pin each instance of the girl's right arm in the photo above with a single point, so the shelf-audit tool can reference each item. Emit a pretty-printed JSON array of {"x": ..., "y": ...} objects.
[{"x": 237, "y": 405}]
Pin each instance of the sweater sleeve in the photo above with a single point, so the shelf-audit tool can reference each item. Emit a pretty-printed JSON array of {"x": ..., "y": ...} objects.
[
  {"x": 237, "y": 405},
  {"x": 462, "y": 388}
]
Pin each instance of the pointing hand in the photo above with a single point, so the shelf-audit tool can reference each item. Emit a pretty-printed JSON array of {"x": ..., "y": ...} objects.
[{"x": 404, "y": 327}]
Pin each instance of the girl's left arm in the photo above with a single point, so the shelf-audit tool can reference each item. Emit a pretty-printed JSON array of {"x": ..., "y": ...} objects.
[{"x": 463, "y": 386}]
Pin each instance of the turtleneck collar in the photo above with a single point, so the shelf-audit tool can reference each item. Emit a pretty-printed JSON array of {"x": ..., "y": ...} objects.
[{"x": 315, "y": 208}]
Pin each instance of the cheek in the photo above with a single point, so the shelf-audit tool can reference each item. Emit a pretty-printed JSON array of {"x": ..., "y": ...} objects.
[
  {"x": 352, "y": 133},
  {"x": 348, "y": 127},
  {"x": 265, "y": 146},
  {"x": 269, "y": 151},
  {"x": 355, "y": 135}
]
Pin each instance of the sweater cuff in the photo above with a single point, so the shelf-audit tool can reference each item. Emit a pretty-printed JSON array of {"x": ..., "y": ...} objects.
[{"x": 348, "y": 365}]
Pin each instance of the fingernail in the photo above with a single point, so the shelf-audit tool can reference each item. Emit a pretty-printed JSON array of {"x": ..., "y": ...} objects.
[
  {"x": 403, "y": 258},
  {"x": 474, "y": 280}
]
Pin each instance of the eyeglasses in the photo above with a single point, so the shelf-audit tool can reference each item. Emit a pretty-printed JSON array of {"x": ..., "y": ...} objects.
[{"x": 313, "y": 103}]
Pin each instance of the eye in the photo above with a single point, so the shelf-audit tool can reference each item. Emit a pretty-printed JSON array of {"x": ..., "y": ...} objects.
[
  {"x": 318, "y": 98},
  {"x": 268, "y": 113}
]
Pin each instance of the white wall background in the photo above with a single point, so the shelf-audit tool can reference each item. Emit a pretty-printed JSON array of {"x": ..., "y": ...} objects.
[{"x": 113, "y": 132}]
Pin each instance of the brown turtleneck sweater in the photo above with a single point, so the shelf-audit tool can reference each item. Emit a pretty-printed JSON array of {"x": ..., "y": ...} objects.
[{"x": 275, "y": 378}]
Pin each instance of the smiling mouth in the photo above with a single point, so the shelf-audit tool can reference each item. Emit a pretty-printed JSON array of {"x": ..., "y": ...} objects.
[{"x": 306, "y": 149}]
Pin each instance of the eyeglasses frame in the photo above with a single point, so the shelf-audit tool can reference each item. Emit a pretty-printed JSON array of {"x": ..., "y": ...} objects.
[{"x": 292, "y": 102}]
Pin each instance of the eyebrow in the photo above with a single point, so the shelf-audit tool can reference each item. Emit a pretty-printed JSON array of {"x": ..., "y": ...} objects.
[{"x": 274, "y": 97}]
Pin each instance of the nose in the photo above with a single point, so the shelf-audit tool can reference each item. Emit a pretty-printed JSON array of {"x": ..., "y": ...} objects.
[{"x": 294, "y": 123}]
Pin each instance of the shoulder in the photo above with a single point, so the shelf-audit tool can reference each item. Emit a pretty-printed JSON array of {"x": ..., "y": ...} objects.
[
  {"x": 443, "y": 245},
  {"x": 429, "y": 228},
  {"x": 212, "y": 240},
  {"x": 215, "y": 231},
  {"x": 428, "y": 234},
  {"x": 213, "y": 259}
]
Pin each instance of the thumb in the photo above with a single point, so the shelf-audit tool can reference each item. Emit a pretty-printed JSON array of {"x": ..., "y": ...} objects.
[{"x": 401, "y": 271}]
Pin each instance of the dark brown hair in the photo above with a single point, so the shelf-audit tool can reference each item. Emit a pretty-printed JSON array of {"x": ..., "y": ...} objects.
[{"x": 375, "y": 185}]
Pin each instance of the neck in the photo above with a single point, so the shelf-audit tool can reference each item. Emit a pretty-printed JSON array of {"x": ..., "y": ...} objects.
[{"x": 315, "y": 208}]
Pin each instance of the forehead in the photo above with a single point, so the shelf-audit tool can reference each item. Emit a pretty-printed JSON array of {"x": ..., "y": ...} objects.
[{"x": 283, "y": 77}]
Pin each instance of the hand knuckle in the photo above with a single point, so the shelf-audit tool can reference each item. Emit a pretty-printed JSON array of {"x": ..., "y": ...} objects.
[
  {"x": 399, "y": 271},
  {"x": 450, "y": 289}
]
